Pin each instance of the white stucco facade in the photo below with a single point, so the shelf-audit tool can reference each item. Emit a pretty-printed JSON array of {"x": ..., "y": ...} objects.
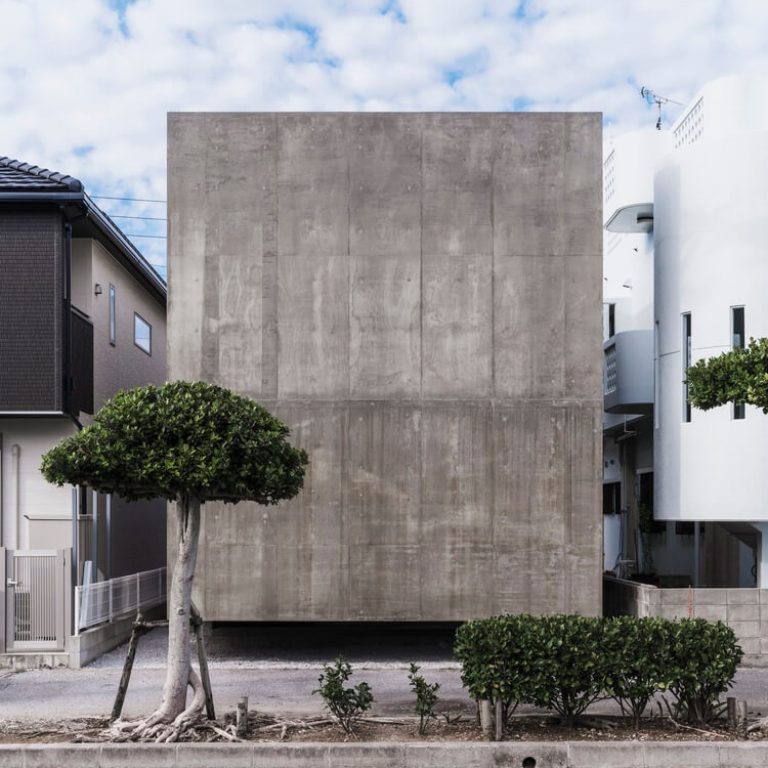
[
  {"x": 685, "y": 212},
  {"x": 711, "y": 212}
]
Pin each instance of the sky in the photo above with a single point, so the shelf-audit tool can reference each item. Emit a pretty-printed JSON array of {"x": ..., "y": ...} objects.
[{"x": 85, "y": 85}]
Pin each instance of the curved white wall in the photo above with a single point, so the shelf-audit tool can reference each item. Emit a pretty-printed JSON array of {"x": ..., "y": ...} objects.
[{"x": 711, "y": 253}]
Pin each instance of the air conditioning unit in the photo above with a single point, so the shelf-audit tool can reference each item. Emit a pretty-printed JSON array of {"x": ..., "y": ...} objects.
[{"x": 22, "y": 616}]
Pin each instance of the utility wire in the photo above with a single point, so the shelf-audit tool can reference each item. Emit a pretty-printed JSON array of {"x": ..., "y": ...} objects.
[
  {"x": 130, "y": 199},
  {"x": 143, "y": 218},
  {"x": 154, "y": 237}
]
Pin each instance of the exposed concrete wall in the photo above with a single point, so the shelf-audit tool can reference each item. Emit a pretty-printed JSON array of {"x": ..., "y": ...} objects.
[{"x": 418, "y": 296}]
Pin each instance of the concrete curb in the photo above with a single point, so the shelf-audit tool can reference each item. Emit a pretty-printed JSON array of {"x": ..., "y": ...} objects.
[{"x": 575, "y": 754}]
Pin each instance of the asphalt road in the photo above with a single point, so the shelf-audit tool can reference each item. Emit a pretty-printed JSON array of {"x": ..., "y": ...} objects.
[{"x": 275, "y": 681}]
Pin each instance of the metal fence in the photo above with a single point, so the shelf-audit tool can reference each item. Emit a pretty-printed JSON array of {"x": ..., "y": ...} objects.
[
  {"x": 111, "y": 599},
  {"x": 35, "y": 593}
]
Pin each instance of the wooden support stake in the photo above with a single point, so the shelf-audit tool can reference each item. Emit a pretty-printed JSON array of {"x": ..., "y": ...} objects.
[
  {"x": 202, "y": 660},
  {"x": 136, "y": 632},
  {"x": 205, "y": 676},
  {"x": 731, "y": 703},
  {"x": 241, "y": 727},
  {"x": 741, "y": 717},
  {"x": 499, "y": 721},
  {"x": 486, "y": 719}
]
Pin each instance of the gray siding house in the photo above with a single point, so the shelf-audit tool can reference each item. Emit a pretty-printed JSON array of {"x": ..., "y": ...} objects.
[
  {"x": 419, "y": 297},
  {"x": 82, "y": 315}
]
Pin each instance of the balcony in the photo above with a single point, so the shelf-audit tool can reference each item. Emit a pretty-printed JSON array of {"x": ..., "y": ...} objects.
[
  {"x": 628, "y": 372},
  {"x": 631, "y": 218},
  {"x": 628, "y": 175}
]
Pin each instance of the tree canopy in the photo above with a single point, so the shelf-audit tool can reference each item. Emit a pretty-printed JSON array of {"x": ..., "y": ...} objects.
[
  {"x": 737, "y": 376},
  {"x": 182, "y": 438}
]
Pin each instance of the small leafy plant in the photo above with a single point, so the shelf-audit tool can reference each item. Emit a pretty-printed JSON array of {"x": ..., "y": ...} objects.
[
  {"x": 346, "y": 704},
  {"x": 426, "y": 697}
]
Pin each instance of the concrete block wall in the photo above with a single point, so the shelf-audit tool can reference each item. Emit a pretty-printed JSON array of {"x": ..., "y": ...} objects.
[
  {"x": 418, "y": 296},
  {"x": 745, "y": 611}
]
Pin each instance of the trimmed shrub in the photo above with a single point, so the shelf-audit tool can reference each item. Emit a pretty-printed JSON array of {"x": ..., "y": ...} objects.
[
  {"x": 571, "y": 666},
  {"x": 636, "y": 661},
  {"x": 565, "y": 663},
  {"x": 702, "y": 658},
  {"x": 499, "y": 658}
]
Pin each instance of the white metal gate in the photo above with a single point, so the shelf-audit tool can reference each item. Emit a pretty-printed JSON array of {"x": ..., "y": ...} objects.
[{"x": 35, "y": 600}]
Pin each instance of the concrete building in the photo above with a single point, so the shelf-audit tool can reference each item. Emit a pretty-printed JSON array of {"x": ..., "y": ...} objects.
[
  {"x": 685, "y": 278},
  {"x": 81, "y": 316},
  {"x": 418, "y": 297}
]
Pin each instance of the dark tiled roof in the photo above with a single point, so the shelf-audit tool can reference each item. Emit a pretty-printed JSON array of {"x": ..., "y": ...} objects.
[{"x": 16, "y": 176}]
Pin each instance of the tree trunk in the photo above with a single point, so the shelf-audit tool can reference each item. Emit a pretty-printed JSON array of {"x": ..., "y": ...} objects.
[{"x": 179, "y": 673}]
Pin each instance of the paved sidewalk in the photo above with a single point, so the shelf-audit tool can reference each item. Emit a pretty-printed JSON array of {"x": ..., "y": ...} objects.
[{"x": 275, "y": 685}]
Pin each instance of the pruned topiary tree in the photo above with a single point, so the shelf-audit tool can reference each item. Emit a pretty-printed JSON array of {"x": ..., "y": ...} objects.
[{"x": 187, "y": 442}]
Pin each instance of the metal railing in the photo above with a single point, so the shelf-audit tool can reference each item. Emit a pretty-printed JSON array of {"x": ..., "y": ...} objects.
[
  {"x": 610, "y": 380},
  {"x": 107, "y": 600}
]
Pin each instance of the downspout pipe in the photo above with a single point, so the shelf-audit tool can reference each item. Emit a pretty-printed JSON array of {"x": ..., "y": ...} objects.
[
  {"x": 2, "y": 493},
  {"x": 15, "y": 485},
  {"x": 66, "y": 362}
]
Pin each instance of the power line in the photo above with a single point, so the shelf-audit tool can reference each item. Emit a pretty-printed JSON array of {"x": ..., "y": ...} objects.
[
  {"x": 154, "y": 237},
  {"x": 129, "y": 199},
  {"x": 143, "y": 218}
]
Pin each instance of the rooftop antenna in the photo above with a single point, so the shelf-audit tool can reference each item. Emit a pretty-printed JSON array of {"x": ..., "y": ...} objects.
[{"x": 651, "y": 97}]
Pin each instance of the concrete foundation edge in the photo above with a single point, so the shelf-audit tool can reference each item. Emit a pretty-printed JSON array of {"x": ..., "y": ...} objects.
[{"x": 611, "y": 754}]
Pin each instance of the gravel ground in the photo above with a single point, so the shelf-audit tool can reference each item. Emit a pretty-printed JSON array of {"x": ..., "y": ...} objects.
[
  {"x": 278, "y": 683},
  {"x": 275, "y": 681}
]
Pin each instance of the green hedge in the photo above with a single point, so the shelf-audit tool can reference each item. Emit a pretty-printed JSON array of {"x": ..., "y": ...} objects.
[{"x": 564, "y": 663}]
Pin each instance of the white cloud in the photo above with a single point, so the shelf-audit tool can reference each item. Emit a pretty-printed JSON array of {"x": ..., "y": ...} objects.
[{"x": 72, "y": 79}]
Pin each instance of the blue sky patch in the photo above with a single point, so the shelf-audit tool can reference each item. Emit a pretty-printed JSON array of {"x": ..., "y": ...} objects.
[
  {"x": 471, "y": 64},
  {"x": 392, "y": 8},
  {"x": 452, "y": 76},
  {"x": 523, "y": 12},
  {"x": 310, "y": 32},
  {"x": 120, "y": 6},
  {"x": 521, "y": 104}
]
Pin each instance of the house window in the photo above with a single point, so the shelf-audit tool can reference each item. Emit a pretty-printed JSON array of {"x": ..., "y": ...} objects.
[
  {"x": 609, "y": 320},
  {"x": 611, "y": 498},
  {"x": 142, "y": 333},
  {"x": 112, "y": 315},
  {"x": 737, "y": 342},
  {"x": 686, "y": 364},
  {"x": 648, "y": 523}
]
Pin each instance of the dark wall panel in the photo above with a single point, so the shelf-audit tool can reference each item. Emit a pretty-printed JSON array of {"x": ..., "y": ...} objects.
[
  {"x": 31, "y": 291},
  {"x": 81, "y": 396}
]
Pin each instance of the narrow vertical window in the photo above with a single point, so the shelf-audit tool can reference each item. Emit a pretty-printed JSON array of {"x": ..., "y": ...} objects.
[
  {"x": 737, "y": 342},
  {"x": 611, "y": 320},
  {"x": 687, "y": 326},
  {"x": 656, "y": 378},
  {"x": 142, "y": 333},
  {"x": 112, "y": 315}
]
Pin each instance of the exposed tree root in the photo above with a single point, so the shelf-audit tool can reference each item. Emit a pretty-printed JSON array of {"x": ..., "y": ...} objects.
[
  {"x": 761, "y": 726},
  {"x": 162, "y": 725}
]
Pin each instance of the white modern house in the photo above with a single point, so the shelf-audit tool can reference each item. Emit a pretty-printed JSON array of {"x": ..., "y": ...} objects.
[{"x": 685, "y": 278}]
